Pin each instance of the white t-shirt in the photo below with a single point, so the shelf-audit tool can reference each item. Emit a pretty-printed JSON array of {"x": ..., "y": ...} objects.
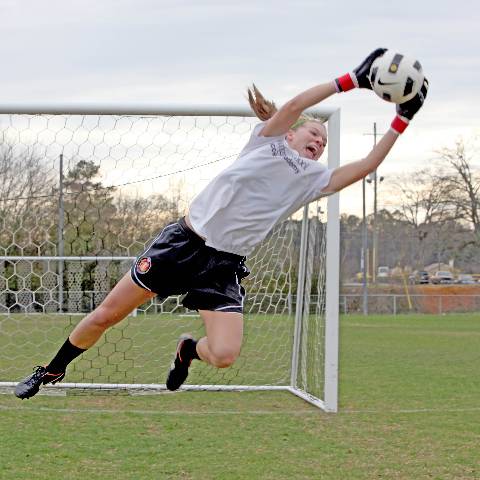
[{"x": 266, "y": 184}]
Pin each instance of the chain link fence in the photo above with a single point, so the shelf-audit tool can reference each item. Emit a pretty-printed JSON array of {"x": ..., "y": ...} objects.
[{"x": 395, "y": 304}]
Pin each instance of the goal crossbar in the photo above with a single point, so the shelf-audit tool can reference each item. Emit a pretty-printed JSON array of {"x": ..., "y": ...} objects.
[{"x": 86, "y": 108}]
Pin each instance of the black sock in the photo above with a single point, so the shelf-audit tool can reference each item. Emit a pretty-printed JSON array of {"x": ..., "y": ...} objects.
[
  {"x": 191, "y": 349},
  {"x": 195, "y": 354},
  {"x": 64, "y": 356}
]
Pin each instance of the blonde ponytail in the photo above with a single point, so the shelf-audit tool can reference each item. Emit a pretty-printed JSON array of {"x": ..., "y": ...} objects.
[{"x": 263, "y": 109}]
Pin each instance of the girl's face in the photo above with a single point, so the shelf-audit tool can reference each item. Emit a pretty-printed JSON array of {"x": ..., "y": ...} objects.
[{"x": 309, "y": 140}]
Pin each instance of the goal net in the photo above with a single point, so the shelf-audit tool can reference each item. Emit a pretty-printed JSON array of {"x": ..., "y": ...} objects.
[{"x": 84, "y": 190}]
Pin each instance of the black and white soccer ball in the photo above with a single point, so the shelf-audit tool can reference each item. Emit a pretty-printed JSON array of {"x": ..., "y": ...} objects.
[{"x": 396, "y": 77}]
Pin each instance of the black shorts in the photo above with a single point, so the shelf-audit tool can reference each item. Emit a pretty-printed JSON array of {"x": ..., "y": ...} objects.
[{"x": 178, "y": 262}]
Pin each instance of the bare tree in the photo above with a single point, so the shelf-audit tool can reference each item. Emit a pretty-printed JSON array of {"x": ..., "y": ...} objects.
[
  {"x": 422, "y": 197},
  {"x": 25, "y": 199},
  {"x": 442, "y": 204},
  {"x": 462, "y": 184},
  {"x": 424, "y": 207},
  {"x": 139, "y": 218},
  {"x": 24, "y": 178}
]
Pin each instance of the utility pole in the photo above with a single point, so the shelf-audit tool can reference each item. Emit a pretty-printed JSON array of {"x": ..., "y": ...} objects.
[
  {"x": 374, "y": 248},
  {"x": 364, "y": 252},
  {"x": 375, "y": 179}
]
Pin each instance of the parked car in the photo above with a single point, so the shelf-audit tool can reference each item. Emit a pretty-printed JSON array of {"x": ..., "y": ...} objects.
[
  {"x": 383, "y": 272},
  {"x": 442, "y": 277},
  {"x": 465, "y": 279},
  {"x": 419, "y": 277},
  {"x": 424, "y": 277}
]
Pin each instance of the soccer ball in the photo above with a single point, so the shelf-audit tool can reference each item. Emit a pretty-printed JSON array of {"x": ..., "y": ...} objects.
[{"x": 395, "y": 77}]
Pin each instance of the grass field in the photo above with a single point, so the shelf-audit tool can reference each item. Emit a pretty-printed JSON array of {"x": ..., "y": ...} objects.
[
  {"x": 139, "y": 349},
  {"x": 409, "y": 409}
]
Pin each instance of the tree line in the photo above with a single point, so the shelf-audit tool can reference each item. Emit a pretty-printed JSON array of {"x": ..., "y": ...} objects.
[
  {"x": 98, "y": 220},
  {"x": 436, "y": 219}
]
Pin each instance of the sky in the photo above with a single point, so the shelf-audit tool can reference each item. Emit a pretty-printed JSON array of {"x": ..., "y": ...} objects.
[{"x": 194, "y": 52}]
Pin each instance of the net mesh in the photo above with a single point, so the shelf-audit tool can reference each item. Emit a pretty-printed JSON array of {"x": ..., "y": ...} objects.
[{"x": 100, "y": 187}]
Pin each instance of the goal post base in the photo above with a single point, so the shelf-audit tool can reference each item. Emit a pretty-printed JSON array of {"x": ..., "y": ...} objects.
[{"x": 60, "y": 389}]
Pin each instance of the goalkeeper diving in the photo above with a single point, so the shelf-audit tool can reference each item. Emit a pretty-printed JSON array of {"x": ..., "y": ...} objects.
[{"x": 204, "y": 254}]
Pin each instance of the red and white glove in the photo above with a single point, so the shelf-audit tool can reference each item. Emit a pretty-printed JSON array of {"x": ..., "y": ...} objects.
[
  {"x": 359, "y": 77},
  {"x": 406, "y": 111}
]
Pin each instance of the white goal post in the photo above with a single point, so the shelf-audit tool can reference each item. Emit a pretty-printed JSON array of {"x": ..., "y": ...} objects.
[{"x": 84, "y": 189}]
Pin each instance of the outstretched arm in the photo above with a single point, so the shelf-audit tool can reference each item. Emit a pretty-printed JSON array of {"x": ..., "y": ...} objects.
[
  {"x": 352, "y": 172},
  {"x": 347, "y": 174},
  {"x": 289, "y": 113}
]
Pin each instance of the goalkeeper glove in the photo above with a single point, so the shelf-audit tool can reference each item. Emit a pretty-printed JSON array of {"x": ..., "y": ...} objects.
[
  {"x": 359, "y": 77},
  {"x": 406, "y": 111}
]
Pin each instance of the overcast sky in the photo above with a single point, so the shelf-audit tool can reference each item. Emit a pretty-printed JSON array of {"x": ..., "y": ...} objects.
[{"x": 207, "y": 52}]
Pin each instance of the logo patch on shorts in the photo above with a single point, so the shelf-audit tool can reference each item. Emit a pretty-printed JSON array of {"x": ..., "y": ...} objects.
[{"x": 144, "y": 265}]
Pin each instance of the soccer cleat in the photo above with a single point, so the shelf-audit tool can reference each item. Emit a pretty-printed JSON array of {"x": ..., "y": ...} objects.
[
  {"x": 178, "y": 372},
  {"x": 29, "y": 386}
]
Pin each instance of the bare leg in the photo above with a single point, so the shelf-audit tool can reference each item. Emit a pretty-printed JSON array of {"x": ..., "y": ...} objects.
[
  {"x": 223, "y": 342},
  {"x": 122, "y": 300}
]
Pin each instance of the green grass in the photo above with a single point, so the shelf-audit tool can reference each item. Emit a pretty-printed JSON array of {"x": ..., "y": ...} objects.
[
  {"x": 409, "y": 409},
  {"x": 139, "y": 349}
]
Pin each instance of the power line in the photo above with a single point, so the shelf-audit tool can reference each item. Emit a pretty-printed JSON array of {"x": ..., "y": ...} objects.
[{"x": 11, "y": 199}]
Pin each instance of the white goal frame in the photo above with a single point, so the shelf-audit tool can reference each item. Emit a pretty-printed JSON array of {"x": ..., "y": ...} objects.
[{"x": 330, "y": 401}]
